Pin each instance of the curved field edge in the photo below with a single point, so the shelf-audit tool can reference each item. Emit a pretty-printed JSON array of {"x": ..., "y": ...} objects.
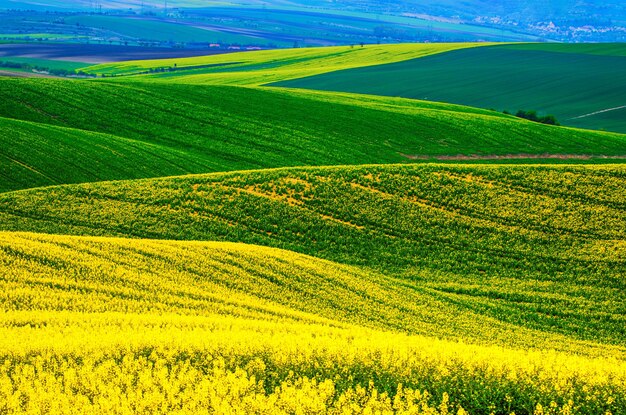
[
  {"x": 534, "y": 246},
  {"x": 259, "y": 67},
  {"x": 89, "y": 321},
  {"x": 203, "y": 129}
]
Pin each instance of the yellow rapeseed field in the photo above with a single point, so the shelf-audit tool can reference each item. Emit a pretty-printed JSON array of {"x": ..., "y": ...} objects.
[
  {"x": 262, "y": 67},
  {"x": 116, "y": 326}
]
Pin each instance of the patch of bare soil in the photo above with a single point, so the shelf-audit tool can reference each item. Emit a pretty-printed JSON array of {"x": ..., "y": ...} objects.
[
  {"x": 521, "y": 156},
  {"x": 16, "y": 74}
]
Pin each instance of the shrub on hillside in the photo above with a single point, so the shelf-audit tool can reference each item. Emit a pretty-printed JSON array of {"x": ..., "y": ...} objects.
[{"x": 531, "y": 115}]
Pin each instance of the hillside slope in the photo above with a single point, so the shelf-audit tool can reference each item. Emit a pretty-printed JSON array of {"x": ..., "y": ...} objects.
[
  {"x": 203, "y": 279},
  {"x": 95, "y": 324},
  {"x": 582, "y": 85},
  {"x": 534, "y": 246},
  {"x": 209, "y": 128},
  {"x": 34, "y": 154},
  {"x": 380, "y": 288}
]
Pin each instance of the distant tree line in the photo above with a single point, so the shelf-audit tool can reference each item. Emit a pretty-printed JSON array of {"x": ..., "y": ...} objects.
[
  {"x": 41, "y": 69},
  {"x": 532, "y": 115}
]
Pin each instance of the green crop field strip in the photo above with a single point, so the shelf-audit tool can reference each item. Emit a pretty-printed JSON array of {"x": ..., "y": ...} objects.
[
  {"x": 201, "y": 240},
  {"x": 28, "y": 159},
  {"x": 569, "y": 81},
  {"x": 261, "y": 67},
  {"x": 41, "y": 63}
]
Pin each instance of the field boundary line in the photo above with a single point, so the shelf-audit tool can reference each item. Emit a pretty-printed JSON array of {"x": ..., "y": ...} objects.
[{"x": 598, "y": 112}]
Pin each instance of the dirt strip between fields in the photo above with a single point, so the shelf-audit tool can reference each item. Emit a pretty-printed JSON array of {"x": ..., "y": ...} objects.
[
  {"x": 520, "y": 156},
  {"x": 599, "y": 112},
  {"x": 16, "y": 74}
]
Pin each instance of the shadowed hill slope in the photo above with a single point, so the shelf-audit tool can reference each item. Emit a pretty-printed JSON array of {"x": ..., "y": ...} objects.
[{"x": 36, "y": 154}]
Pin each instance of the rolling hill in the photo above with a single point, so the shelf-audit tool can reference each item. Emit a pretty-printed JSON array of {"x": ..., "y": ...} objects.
[
  {"x": 36, "y": 154},
  {"x": 172, "y": 129},
  {"x": 582, "y": 85},
  {"x": 321, "y": 259},
  {"x": 539, "y": 247},
  {"x": 445, "y": 288},
  {"x": 205, "y": 279},
  {"x": 94, "y": 324}
]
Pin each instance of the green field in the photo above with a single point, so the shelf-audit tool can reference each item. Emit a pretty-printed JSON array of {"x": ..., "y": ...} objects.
[
  {"x": 43, "y": 63},
  {"x": 602, "y": 49},
  {"x": 146, "y": 130},
  {"x": 245, "y": 68},
  {"x": 31, "y": 154},
  {"x": 36, "y": 36},
  {"x": 569, "y": 81}
]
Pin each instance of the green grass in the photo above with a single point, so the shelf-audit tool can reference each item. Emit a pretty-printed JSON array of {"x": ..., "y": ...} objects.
[
  {"x": 568, "y": 81},
  {"x": 201, "y": 129},
  {"x": 535, "y": 246}
]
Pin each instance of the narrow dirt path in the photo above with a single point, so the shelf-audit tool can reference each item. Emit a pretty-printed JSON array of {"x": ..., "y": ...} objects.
[
  {"x": 16, "y": 74},
  {"x": 598, "y": 112},
  {"x": 521, "y": 156}
]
